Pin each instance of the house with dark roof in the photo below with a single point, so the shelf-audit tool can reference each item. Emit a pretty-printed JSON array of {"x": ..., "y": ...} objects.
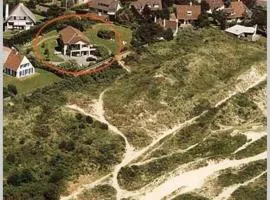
[
  {"x": 187, "y": 14},
  {"x": 152, "y": 4},
  {"x": 16, "y": 64},
  {"x": 107, "y": 7},
  {"x": 19, "y": 18},
  {"x": 74, "y": 43}
]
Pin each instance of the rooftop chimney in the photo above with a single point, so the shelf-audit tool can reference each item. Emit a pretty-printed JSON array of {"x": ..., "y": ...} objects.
[
  {"x": 7, "y": 11},
  {"x": 190, "y": 3}
]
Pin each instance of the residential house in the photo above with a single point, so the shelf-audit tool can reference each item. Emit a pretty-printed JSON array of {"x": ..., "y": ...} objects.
[
  {"x": 237, "y": 11},
  {"x": 74, "y": 43},
  {"x": 187, "y": 14},
  {"x": 107, "y": 7},
  {"x": 16, "y": 64},
  {"x": 19, "y": 18},
  {"x": 215, "y": 5},
  {"x": 243, "y": 31},
  {"x": 152, "y": 4},
  {"x": 171, "y": 23}
]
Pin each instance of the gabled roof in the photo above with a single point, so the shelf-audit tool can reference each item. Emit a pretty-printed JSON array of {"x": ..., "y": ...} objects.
[
  {"x": 237, "y": 9},
  {"x": 106, "y": 5},
  {"x": 22, "y": 10},
  {"x": 214, "y": 4},
  {"x": 13, "y": 59},
  {"x": 188, "y": 12},
  {"x": 152, "y": 4},
  {"x": 71, "y": 35}
]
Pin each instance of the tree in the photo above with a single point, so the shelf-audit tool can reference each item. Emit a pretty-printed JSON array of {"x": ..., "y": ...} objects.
[
  {"x": 220, "y": 19},
  {"x": 205, "y": 6},
  {"x": 203, "y": 20},
  {"x": 168, "y": 34},
  {"x": 12, "y": 89},
  {"x": 146, "y": 33}
]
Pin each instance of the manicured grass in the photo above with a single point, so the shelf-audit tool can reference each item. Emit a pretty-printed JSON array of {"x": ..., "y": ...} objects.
[
  {"x": 40, "y": 79},
  {"x": 49, "y": 41},
  {"x": 110, "y": 44}
]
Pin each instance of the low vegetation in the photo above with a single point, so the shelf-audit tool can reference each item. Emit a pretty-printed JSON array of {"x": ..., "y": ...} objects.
[
  {"x": 55, "y": 144},
  {"x": 104, "y": 192}
]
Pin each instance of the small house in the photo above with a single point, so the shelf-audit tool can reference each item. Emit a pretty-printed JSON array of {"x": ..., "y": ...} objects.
[
  {"x": 74, "y": 43},
  {"x": 105, "y": 7},
  {"x": 19, "y": 18},
  {"x": 16, "y": 64},
  {"x": 171, "y": 23},
  {"x": 187, "y": 14},
  {"x": 152, "y": 4},
  {"x": 236, "y": 12}
]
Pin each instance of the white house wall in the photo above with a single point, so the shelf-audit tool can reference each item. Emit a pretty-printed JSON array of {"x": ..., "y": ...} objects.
[{"x": 20, "y": 69}]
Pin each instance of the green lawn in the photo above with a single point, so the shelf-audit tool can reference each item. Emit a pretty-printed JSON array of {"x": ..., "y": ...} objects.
[
  {"x": 49, "y": 42},
  {"x": 110, "y": 44},
  {"x": 40, "y": 79}
]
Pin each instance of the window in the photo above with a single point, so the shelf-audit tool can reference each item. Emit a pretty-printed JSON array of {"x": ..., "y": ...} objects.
[{"x": 189, "y": 12}]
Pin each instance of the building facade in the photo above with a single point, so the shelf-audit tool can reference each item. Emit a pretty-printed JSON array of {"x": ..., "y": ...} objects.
[
  {"x": 74, "y": 43},
  {"x": 16, "y": 64},
  {"x": 20, "y": 18}
]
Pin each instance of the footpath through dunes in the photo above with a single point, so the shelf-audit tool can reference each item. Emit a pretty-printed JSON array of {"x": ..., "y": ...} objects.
[{"x": 178, "y": 97}]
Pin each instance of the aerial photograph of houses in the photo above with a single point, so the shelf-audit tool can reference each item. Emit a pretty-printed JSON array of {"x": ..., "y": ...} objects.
[{"x": 134, "y": 99}]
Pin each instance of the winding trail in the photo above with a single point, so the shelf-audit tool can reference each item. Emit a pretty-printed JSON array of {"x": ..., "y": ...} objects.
[
  {"x": 195, "y": 179},
  {"x": 227, "y": 192},
  {"x": 185, "y": 182}
]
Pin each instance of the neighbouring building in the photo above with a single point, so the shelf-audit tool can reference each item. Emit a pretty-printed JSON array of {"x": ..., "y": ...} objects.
[
  {"x": 152, "y": 4},
  {"x": 19, "y": 18},
  {"x": 187, "y": 14},
  {"x": 237, "y": 11},
  {"x": 243, "y": 31},
  {"x": 105, "y": 7},
  {"x": 74, "y": 43},
  {"x": 215, "y": 5},
  {"x": 172, "y": 23},
  {"x": 16, "y": 64}
]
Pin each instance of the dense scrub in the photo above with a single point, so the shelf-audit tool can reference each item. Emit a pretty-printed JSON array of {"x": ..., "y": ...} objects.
[
  {"x": 45, "y": 144},
  {"x": 177, "y": 80}
]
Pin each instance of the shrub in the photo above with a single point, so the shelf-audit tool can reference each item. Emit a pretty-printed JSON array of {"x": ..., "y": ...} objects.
[
  {"x": 106, "y": 34},
  {"x": 89, "y": 119},
  {"x": 67, "y": 145},
  {"x": 12, "y": 89},
  {"x": 168, "y": 34}
]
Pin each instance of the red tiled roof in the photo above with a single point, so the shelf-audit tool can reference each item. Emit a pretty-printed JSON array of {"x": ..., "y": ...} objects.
[
  {"x": 168, "y": 24},
  {"x": 215, "y": 3},
  {"x": 188, "y": 12},
  {"x": 14, "y": 60},
  {"x": 71, "y": 35},
  {"x": 238, "y": 10}
]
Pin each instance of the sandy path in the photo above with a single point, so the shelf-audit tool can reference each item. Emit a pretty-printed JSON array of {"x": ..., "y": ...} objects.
[
  {"x": 251, "y": 137},
  {"x": 195, "y": 179},
  {"x": 191, "y": 178},
  {"x": 227, "y": 192}
]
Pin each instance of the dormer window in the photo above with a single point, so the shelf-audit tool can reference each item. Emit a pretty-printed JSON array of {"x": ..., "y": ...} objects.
[
  {"x": 189, "y": 12},
  {"x": 156, "y": 6}
]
